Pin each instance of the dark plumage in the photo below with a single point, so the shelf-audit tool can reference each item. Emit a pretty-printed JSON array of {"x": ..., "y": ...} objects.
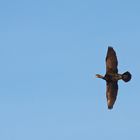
[{"x": 111, "y": 77}]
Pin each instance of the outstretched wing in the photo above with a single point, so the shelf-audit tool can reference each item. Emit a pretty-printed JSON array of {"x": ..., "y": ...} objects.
[
  {"x": 111, "y": 93},
  {"x": 111, "y": 61}
]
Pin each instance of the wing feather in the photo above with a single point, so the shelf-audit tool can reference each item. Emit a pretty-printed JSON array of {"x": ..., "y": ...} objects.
[
  {"x": 111, "y": 61},
  {"x": 111, "y": 93}
]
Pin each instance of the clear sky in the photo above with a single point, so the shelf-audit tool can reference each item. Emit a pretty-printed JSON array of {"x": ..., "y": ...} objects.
[{"x": 50, "y": 51}]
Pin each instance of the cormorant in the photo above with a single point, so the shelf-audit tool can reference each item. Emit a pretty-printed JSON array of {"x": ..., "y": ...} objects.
[{"x": 112, "y": 76}]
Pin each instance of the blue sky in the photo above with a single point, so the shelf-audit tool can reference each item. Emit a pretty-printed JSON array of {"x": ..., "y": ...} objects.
[{"x": 49, "y": 53}]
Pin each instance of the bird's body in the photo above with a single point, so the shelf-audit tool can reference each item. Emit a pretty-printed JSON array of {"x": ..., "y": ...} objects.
[{"x": 112, "y": 76}]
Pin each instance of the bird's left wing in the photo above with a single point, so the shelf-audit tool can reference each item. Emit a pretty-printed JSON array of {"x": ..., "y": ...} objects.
[{"x": 111, "y": 93}]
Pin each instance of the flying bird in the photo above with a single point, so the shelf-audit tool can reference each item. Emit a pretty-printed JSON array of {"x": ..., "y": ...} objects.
[{"x": 112, "y": 76}]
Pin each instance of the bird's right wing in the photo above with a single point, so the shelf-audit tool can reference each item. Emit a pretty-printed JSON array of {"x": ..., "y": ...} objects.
[
  {"x": 111, "y": 61},
  {"x": 111, "y": 93}
]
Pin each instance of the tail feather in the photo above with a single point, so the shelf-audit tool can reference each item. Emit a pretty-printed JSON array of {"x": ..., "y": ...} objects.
[{"x": 126, "y": 76}]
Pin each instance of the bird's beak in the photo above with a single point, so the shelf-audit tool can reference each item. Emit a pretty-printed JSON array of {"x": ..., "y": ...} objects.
[{"x": 96, "y": 75}]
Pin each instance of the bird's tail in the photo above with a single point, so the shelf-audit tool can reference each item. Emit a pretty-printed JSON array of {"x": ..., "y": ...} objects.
[{"x": 126, "y": 76}]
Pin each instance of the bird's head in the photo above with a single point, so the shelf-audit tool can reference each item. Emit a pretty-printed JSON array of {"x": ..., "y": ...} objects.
[{"x": 99, "y": 76}]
